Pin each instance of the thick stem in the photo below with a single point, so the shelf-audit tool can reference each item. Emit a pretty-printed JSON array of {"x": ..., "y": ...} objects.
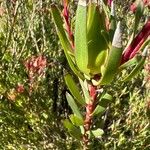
[{"x": 88, "y": 115}]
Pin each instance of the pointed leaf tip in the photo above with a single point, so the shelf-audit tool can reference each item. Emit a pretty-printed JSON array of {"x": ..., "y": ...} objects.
[
  {"x": 71, "y": 84},
  {"x": 73, "y": 105},
  {"x": 113, "y": 13},
  {"x": 117, "y": 39},
  {"x": 145, "y": 51}
]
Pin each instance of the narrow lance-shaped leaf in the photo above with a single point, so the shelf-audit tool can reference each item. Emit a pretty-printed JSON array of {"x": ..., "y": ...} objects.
[
  {"x": 113, "y": 60},
  {"x": 81, "y": 49},
  {"x": 76, "y": 120},
  {"x": 132, "y": 53},
  {"x": 135, "y": 60},
  {"x": 63, "y": 39},
  {"x": 104, "y": 100},
  {"x": 138, "y": 14},
  {"x": 97, "y": 133},
  {"x": 73, "y": 105},
  {"x": 74, "y": 89},
  {"x": 84, "y": 87},
  {"x": 60, "y": 29},
  {"x": 74, "y": 131},
  {"x": 98, "y": 110},
  {"x": 138, "y": 67},
  {"x": 141, "y": 48},
  {"x": 112, "y": 21}
]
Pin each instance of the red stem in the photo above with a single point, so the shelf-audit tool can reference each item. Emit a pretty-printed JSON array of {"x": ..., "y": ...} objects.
[{"x": 88, "y": 116}]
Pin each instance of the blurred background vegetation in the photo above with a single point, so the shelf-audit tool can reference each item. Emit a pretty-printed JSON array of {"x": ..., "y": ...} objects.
[{"x": 32, "y": 88}]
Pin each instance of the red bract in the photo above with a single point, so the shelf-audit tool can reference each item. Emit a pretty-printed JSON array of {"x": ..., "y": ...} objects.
[
  {"x": 93, "y": 91},
  {"x": 67, "y": 22},
  {"x": 137, "y": 42},
  {"x": 65, "y": 10}
]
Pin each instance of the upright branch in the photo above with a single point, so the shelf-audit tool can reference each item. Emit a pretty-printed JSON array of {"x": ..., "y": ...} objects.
[
  {"x": 98, "y": 58},
  {"x": 88, "y": 115}
]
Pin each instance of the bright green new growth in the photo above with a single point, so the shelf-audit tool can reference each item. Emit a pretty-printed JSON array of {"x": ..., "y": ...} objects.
[
  {"x": 95, "y": 59},
  {"x": 110, "y": 68},
  {"x": 97, "y": 46},
  {"x": 90, "y": 45},
  {"x": 94, "y": 53}
]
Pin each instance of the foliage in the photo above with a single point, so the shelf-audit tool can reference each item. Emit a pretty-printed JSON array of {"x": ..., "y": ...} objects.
[
  {"x": 31, "y": 110},
  {"x": 95, "y": 54}
]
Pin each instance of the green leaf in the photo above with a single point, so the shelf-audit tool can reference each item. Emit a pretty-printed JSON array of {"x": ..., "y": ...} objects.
[
  {"x": 98, "y": 110},
  {"x": 74, "y": 131},
  {"x": 63, "y": 39},
  {"x": 60, "y": 29},
  {"x": 130, "y": 63},
  {"x": 73, "y": 105},
  {"x": 74, "y": 89},
  {"x": 85, "y": 90},
  {"x": 105, "y": 100},
  {"x": 73, "y": 67},
  {"x": 81, "y": 43},
  {"x": 97, "y": 45},
  {"x": 97, "y": 133},
  {"x": 107, "y": 96},
  {"x": 76, "y": 120},
  {"x": 135, "y": 71},
  {"x": 110, "y": 68}
]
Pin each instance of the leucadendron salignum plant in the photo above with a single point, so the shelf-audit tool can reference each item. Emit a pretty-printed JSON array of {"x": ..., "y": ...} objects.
[{"x": 95, "y": 54}]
